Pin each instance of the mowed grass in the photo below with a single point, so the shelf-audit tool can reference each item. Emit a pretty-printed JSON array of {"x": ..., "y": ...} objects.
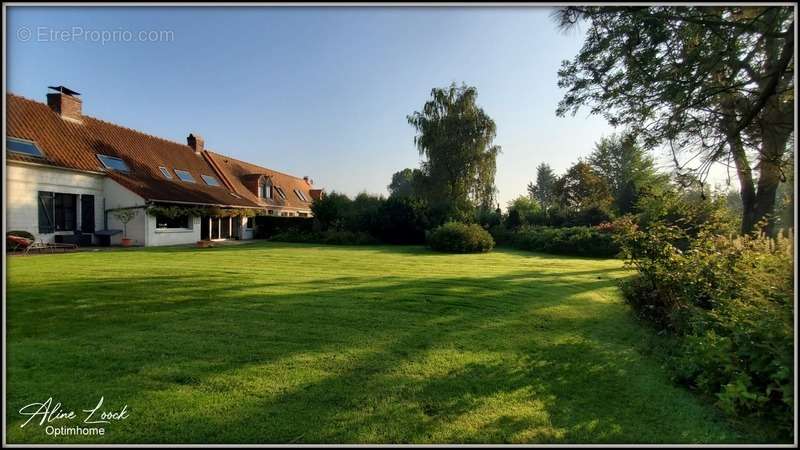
[{"x": 292, "y": 343}]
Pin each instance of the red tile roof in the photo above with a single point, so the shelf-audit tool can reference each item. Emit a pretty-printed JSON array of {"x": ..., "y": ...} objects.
[
  {"x": 73, "y": 145},
  {"x": 244, "y": 178}
]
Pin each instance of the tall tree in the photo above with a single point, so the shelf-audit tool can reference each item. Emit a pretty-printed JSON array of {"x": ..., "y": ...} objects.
[
  {"x": 627, "y": 170},
  {"x": 582, "y": 188},
  {"x": 544, "y": 189},
  {"x": 455, "y": 136},
  {"x": 406, "y": 183},
  {"x": 715, "y": 82}
]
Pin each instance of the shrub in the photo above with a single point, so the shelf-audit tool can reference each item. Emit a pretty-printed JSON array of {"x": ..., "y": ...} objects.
[
  {"x": 401, "y": 221},
  {"x": 501, "y": 234},
  {"x": 460, "y": 238},
  {"x": 578, "y": 241},
  {"x": 727, "y": 302}
]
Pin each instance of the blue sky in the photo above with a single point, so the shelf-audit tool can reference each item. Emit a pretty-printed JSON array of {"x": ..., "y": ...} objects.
[{"x": 316, "y": 91}]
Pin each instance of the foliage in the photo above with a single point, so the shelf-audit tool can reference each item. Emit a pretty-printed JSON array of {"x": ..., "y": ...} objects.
[
  {"x": 689, "y": 211},
  {"x": 522, "y": 210},
  {"x": 714, "y": 82},
  {"x": 582, "y": 187},
  {"x": 175, "y": 211},
  {"x": 627, "y": 169},
  {"x": 401, "y": 221},
  {"x": 728, "y": 302},
  {"x": 488, "y": 218},
  {"x": 577, "y": 241},
  {"x": 396, "y": 220},
  {"x": 455, "y": 136},
  {"x": 407, "y": 183},
  {"x": 330, "y": 210},
  {"x": 455, "y": 237},
  {"x": 543, "y": 192},
  {"x": 268, "y": 226}
]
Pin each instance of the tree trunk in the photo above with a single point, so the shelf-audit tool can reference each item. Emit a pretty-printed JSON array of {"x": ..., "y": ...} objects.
[
  {"x": 746, "y": 183},
  {"x": 776, "y": 128},
  {"x": 743, "y": 170}
]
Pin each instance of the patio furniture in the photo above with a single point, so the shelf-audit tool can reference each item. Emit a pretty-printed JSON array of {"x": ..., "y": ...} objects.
[
  {"x": 17, "y": 243},
  {"x": 79, "y": 238},
  {"x": 41, "y": 246},
  {"x": 104, "y": 236}
]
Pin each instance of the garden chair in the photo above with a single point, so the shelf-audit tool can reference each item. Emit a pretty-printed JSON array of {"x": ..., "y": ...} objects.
[{"x": 40, "y": 246}]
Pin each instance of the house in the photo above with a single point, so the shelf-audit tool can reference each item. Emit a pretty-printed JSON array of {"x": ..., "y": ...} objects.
[{"x": 69, "y": 174}]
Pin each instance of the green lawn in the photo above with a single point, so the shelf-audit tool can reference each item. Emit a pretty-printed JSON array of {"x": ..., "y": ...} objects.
[{"x": 278, "y": 343}]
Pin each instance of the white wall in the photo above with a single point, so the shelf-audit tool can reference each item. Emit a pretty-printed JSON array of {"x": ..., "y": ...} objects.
[
  {"x": 23, "y": 184},
  {"x": 244, "y": 232},
  {"x": 172, "y": 236},
  {"x": 120, "y": 197}
]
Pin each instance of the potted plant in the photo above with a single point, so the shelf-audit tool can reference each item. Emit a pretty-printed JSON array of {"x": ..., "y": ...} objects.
[{"x": 125, "y": 216}]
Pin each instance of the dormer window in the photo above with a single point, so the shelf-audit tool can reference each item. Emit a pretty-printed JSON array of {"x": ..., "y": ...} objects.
[{"x": 265, "y": 190}]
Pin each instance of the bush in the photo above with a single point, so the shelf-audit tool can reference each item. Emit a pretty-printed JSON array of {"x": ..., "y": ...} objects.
[
  {"x": 458, "y": 237},
  {"x": 578, "y": 241},
  {"x": 501, "y": 234},
  {"x": 727, "y": 302},
  {"x": 401, "y": 221},
  {"x": 267, "y": 226}
]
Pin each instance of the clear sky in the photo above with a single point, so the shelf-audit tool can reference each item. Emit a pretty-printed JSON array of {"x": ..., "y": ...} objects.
[{"x": 314, "y": 91}]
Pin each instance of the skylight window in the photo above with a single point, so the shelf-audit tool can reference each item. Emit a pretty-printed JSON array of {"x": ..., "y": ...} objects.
[
  {"x": 184, "y": 175},
  {"x": 165, "y": 172},
  {"x": 211, "y": 181},
  {"x": 113, "y": 163},
  {"x": 280, "y": 192},
  {"x": 24, "y": 147},
  {"x": 300, "y": 195}
]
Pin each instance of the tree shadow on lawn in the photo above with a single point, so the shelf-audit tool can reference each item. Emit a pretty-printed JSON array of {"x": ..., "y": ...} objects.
[
  {"x": 522, "y": 357},
  {"x": 398, "y": 250}
]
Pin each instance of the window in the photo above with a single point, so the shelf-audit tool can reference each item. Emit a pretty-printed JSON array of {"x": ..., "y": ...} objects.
[
  {"x": 25, "y": 147},
  {"x": 211, "y": 181},
  {"x": 172, "y": 222},
  {"x": 280, "y": 192},
  {"x": 265, "y": 190},
  {"x": 165, "y": 172},
  {"x": 302, "y": 214},
  {"x": 113, "y": 163},
  {"x": 300, "y": 195},
  {"x": 184, "y": 175},
  {"x": 251, "y": 222},
  {"x": 57, "y": 212}
]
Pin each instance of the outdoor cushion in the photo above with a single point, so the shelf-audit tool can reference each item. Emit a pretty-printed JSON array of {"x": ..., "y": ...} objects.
[{"x": 17, "y": 242}]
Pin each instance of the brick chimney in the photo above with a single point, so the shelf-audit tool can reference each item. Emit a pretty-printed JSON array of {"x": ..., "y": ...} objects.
[
  {"x": 308, "y": 180},
  {"x": 196, "y": 142},
  {"x": 65, "y": 102}
]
